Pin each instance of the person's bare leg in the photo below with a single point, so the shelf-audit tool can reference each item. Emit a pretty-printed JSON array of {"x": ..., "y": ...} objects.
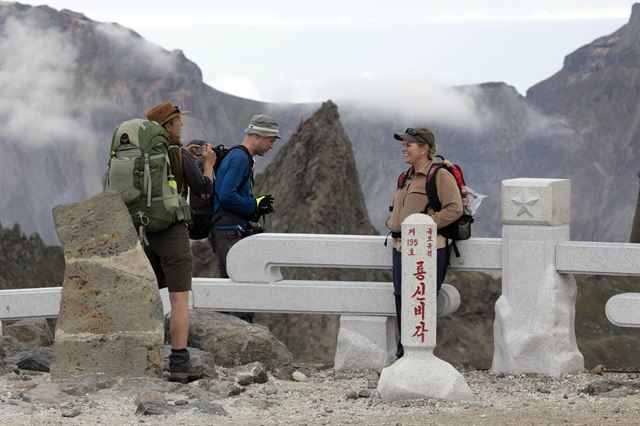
[{"x": 179, "y": 320}]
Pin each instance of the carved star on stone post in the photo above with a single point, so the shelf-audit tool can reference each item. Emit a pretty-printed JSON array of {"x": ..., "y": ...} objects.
[{"x": 525, "y": 202}]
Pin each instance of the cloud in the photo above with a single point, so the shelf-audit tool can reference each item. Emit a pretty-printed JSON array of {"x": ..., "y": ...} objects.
[
  {"x": 410, "y": 97},
  {"x": 38, "y": 108},
  {"x": 237, "y": 85},
  {"x": 36, "y": 73},
  {"x": 540, "y": 16},
  {"x": 141, "y": 57}
]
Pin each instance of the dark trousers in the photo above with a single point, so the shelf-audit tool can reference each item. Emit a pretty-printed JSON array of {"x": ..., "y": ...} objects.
[
  {"x": 441, "y": 272},
  {"x": 221, "y": 243}
]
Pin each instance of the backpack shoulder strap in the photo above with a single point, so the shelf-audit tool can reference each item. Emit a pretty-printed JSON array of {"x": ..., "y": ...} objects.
[
  {"x": 251, "y": 163},
  {"x": 404, "y": 176},
  {"x": 432, "y": 191}
]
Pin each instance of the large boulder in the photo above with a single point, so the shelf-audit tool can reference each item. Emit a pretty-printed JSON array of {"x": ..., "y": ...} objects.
[
  {"x": 234, "y": 342},
  {"x": 34, "y": 359},
  {"x": 111, "y": 317},
  {"x": 9, "y": 345},
  {"x": 33, "y": 332}
]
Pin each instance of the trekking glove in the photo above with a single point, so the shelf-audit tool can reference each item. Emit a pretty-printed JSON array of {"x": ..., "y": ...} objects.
[{"x": 264, "y": 204}]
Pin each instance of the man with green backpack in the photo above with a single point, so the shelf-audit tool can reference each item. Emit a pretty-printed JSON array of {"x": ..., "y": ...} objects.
[{"x": 153, "y": 174}]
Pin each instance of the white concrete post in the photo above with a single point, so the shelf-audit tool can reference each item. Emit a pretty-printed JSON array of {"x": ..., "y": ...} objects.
[
  {"x": 535, "y": 315},
  {"x": 365, "y": 342},
  {"x": 419, "y": 373}
]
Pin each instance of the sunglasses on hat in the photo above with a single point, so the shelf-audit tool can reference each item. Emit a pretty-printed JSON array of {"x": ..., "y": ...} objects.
[{"x": 412, "y": 132}]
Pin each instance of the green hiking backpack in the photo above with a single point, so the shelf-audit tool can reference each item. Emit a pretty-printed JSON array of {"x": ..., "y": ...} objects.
[{"x": 140, "y": 170}]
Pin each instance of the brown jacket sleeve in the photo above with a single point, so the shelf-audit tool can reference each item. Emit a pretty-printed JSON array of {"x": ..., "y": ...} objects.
[{"x": 449, "y": 196}]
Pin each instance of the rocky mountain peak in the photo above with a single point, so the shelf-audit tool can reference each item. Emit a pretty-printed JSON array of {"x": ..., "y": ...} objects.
[
  {"x": 635, "y": 14},
  {"x": 75, "y": 15},
  {"x": 304, "y": 177}
]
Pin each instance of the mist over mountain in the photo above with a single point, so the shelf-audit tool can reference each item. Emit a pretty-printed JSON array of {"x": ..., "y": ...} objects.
[
  {"x": 66, "y": 81},
  {"x": 597, "y": 92}
]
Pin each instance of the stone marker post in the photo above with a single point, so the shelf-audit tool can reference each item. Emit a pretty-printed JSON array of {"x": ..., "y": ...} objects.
[
  {"x": 535, "y": 315},
  {"x": 419, "y": 373},
  {"x": 111, "y": 318}
]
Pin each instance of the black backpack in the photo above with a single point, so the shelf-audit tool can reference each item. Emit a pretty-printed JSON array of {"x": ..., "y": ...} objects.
[{"x": 202, "y": 217}]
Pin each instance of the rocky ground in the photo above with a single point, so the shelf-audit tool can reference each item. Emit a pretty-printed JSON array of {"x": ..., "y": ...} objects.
[{"x": 319, "y": 395}]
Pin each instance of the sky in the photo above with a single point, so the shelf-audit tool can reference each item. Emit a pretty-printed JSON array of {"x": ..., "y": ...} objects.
[{"x": 309, "y": 51}]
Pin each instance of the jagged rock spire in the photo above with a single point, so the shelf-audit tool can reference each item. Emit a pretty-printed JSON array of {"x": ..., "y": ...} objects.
[{"x": 315, "y": 182}]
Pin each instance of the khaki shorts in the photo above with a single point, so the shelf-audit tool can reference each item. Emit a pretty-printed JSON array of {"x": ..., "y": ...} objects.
[{"x": 170, "y": 256}]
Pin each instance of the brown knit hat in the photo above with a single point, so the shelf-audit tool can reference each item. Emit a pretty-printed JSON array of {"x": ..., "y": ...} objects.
[{"x": 163, "y": 112}]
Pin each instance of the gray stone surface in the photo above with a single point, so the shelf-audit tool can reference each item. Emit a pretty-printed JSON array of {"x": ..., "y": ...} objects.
[
  {"x": 10, "y": 346},
  {"x": 35, "y": 359},
  {"x": 33, "y": 332},
  {"x": 535, "y": 315},
  {"x": 298, "y": 376},
  {"x": 150, "y": 396},
  {"x": 234, "y": 342},
  {"x": 210, "y": 408},
  {"x": 612, "y": 388},
  {"x": 222, "y": 389},
  {"x": 111, "y": 316},
  {"x": 248, "y": 374},
  {"x": 365, "y": 342},
  {"x": 82, "y": 385},
  {"x": 47, "y": 394}
]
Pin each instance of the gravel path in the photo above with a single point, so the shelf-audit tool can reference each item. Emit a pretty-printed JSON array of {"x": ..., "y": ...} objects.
[{"x": 328, "y": 397}]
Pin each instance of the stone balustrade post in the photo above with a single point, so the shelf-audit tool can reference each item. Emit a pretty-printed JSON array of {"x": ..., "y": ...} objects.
[
  {"x": 419, "y": 373},
  {"x": 535, "y": 315}
]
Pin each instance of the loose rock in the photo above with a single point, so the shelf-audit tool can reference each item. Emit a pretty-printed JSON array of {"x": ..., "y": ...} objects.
[
  {"x": 248, "y": 374},
  {"x": 234, "y": 342},
  {"x": 85, "y": 384},
  {"x": 299, "y": 377},
  {"x": 72, "y": 412},
  {"x": 352, "y": 395},
  {"x": 36, "y": 359},
  {"x": 270, "y": 389},
  {"x": 32, "y": 332},
  {"x": 364, "y": 393}
]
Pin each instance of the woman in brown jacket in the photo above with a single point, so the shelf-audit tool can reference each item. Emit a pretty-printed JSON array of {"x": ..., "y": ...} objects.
[{"x": 418, "y": 150}]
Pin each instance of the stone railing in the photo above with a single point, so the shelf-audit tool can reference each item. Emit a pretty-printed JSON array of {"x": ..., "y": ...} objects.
[{"x": 534, "y": 324}]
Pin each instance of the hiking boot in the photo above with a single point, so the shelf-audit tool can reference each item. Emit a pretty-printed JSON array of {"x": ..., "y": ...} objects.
[
  {"x": 180, "y": 368},
  {"x": 187, "y": 376}
]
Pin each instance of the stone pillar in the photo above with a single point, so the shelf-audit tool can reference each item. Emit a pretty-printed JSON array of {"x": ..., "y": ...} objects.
[
  {"x": 111, "y": 318},
  {"x": 419, "y": 373},
  {"x": 365, "y": 342},
  {"x": 535, "y": 315}
]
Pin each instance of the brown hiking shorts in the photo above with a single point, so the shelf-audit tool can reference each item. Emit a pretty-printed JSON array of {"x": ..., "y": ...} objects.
[{"x": 170, "y": 256}]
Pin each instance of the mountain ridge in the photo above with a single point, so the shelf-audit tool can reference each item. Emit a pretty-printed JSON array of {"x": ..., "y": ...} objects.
[{"x": 515, "y": 136}]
